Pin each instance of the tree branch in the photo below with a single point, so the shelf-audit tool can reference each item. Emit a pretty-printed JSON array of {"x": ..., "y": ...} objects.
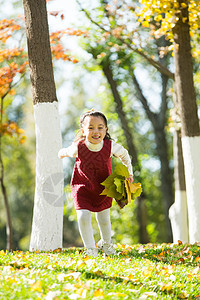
[
  {"x": 151, "y": 115},
  {"x": 162, "y": 69}
]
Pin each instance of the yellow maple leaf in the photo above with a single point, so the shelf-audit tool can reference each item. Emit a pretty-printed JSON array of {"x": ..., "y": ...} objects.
[
  {"x": 184, "y": 5},
  {"x": 197, "y": 259},
  {"x": 167, "y": 287},
  {"x": 145, "y": 24},
  {"x": 135, "y": 186},
  {"x": 98, "y": 293},
  {"x": 36, "y": 286},
  {"x": 147, "y": 272}
]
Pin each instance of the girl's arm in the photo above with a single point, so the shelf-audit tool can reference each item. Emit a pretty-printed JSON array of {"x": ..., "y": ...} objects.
[
  {"x": 120, "y": 152},
  {"x": 70, "y": 151}
]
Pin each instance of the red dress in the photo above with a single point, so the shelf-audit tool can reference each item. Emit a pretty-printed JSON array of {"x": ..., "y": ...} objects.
[{"x": 90, "y": 169}]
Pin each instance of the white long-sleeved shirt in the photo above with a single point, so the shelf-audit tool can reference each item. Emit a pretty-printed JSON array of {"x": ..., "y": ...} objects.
[{"x": 116, "y": 150}]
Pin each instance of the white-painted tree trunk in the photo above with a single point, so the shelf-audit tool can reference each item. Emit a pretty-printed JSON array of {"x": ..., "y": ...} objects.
[
  {"x": 179, "y": 217},
  {"x": 191, "y": 150},
  {"x": 49, "y": 193},
  {"x": 178, "y": 213}
]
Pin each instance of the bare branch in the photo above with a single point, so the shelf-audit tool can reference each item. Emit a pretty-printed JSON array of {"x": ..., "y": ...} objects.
[{"x": 151, "y": 115}]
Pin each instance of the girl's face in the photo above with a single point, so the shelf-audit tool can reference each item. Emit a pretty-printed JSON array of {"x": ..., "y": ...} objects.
[{"x": 94, "y": 129}]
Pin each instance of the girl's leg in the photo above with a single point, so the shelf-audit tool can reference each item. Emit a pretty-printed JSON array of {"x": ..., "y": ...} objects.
[
  {"x": 103, "y": 219},
  {"x": 85, "y": 227}
]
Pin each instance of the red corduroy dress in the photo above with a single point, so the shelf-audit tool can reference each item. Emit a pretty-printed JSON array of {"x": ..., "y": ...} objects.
[{"x": 90, "y": 169}]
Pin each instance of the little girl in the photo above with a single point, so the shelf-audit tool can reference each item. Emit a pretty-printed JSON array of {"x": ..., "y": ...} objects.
[{"x": 93, "y": 149}]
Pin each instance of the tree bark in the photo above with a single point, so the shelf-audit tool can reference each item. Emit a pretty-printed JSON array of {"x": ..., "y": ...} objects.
[
  {"x": 189, "y": 118},
  {"x": 141, "y": 208},
  {"x": 9, "y": 228},
  {"x": 48, "y": 204},
  {"x": 178, "y": 211},
  {"x": 184, "y": 75},
  {"x": 39, "y": 51}
]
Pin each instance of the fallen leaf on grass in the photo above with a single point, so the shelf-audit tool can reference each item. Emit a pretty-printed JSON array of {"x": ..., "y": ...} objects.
[
  {"x": 98, "y": 293},
  {"x": 7, "y": 270},
  {"x": 57, "y": 250},
  {"x": 172, "y": 277},
  {"x": 148, "y": 294},
  {"x": 36, "y": 286},
  {"x": 183, "y": 295},
  {"x": 73, "y": 296},
  {"x": 61, "y": 277},
  {"x": 80, "y": 264},
  {"x": 91, "y": 262},
  {"x": 167, "y": 287},
  {"x": 74, "y": 275},
  {"x": 117, "y": 294},
  {"x": 147, "y": 272},
  {"x": 197, "y": 259},
  {"x": 52, "y": 295},
  {"x": 82, "y": 292},
  {"x": 69, "y": 287}
]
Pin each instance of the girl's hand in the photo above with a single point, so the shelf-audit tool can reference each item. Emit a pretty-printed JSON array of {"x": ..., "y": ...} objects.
[
  {"x": 130, "y": 178},
  {"x": 60, "y": 154}
]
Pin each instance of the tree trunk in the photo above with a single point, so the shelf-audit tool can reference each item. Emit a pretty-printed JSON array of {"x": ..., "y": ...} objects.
[
  {"x": 9, "y": 228},
  {"x": 165, "y": 175},
  {"x": 141, "y": 208},
  {"x": 48, "y": 204},
  {"x": 119, "y": 108},
  {"x": 189, "y": 118},
  {"x": 158, "y": 123},
  {"x": 178, "y": 211}
]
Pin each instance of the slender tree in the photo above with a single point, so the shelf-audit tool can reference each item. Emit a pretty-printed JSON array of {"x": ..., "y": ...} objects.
[
  {"x": 178, "y": 212},
  {"x": 9, "y": 227},
  {"x": 189, "y": 119},
  {"x": 48, "y": 204},
  {"x": 141, "y": 208}
]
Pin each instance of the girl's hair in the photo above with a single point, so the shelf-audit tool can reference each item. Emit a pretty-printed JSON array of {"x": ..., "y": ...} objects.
[{"x": 92, "y": 113}]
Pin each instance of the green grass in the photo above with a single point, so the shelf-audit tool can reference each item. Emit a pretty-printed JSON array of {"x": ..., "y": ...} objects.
[{"x": 152, "y": 271}]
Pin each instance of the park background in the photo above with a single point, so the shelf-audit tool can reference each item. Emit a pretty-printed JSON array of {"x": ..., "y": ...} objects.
[{"x": 82, "y": 83}]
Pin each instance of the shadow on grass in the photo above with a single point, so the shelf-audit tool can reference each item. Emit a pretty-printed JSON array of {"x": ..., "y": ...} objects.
[
  {"x": 186, "y": 254},
  {"x": 177, "y": 254}
]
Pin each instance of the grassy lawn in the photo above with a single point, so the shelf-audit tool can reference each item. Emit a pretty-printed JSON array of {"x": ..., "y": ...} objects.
[{"x": 152, "y": 271}]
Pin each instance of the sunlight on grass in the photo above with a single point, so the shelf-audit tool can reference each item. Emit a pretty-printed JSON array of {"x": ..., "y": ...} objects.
[{"x": 152, "y": 271}]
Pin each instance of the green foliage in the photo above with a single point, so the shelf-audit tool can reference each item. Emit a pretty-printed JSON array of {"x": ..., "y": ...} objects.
[
  {"x": 18, "y": 160},
  {"x": 153, "y": 271},
  {"x": 19, "y": 181}
]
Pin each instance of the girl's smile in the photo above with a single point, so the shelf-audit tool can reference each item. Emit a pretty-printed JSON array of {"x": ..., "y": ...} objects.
[{"x": 94, "y": 129}]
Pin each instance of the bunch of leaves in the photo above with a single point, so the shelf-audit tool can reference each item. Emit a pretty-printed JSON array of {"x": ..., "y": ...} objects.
[
  {"x": 57, "y": 49},
  {"x": 118, "y": 186}
]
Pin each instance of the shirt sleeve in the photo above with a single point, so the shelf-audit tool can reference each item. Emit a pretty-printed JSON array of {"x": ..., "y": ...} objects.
[
  {"x": 70, "y": 151},
  {"x": 119, "y": 151}
]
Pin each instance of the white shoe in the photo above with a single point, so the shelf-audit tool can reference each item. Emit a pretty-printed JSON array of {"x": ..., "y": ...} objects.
[
  {"x": 91, "y": 251},
  {"x": 107, "y": 248}
]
